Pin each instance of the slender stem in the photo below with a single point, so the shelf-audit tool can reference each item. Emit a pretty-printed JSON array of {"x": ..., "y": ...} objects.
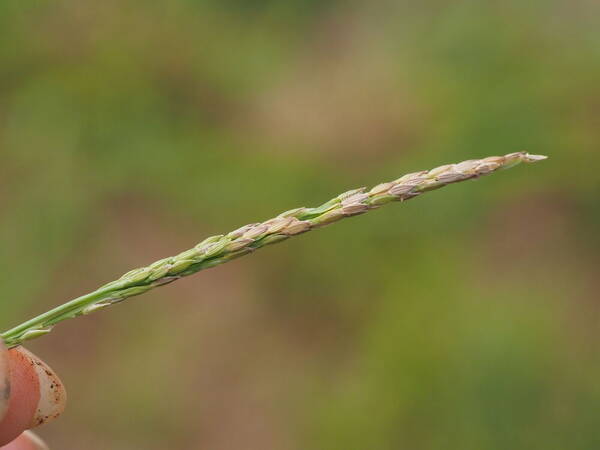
[
  {"x": 219, "y": 249},
  {"x": 57, "y": 314}
]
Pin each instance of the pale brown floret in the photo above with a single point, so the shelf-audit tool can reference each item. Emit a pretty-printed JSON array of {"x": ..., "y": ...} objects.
[
  {"x": 440, "y": 170},
  {"x": 277, "y": 224},
  {"x": 466, "y": 167},
  {"x": 451, "y": 177},
  {"x": 402, "y": 189},
  {"x": 296, "y": 227},
  {"x": 353, "y": 209},
  {"x": 381, "y": 188},
  {"x": 238, "y": 244},
  {"x": 241, "y": 230},
  {"x": 410, "y": 176},
  {"x": 351, "y": 193},
  {"x": 356, "y": 198},
  {"x": 254, "y": 232}
]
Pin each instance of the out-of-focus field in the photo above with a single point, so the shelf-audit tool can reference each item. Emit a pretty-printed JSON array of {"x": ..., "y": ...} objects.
[{"x": 466, "y": 319}]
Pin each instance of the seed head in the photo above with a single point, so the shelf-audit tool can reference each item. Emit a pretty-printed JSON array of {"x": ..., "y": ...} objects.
[{"x": 219, "y": 249}]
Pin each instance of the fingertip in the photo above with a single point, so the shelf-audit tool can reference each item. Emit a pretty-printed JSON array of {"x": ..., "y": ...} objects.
[
  {"x": 27, "y": 441},
  {"x": 24, "y": 395},
  {"x": 33, "y": 394},
  {"x": 4, "y": 380}
]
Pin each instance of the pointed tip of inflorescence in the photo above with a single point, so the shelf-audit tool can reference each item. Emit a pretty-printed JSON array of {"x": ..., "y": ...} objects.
[
  {"x": 525, "y": 157},
  {"x": 533, "y": 158}
]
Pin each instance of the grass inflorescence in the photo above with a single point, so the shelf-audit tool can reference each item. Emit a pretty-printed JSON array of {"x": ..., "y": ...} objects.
[{"x": 220, "y": 249}]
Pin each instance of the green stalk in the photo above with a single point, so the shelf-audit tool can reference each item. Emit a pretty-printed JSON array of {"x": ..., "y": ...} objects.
[{"x": 220, "y": 249}]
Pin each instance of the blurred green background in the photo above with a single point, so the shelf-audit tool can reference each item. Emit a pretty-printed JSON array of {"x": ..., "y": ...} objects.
[{"x": 467, "y": 319}]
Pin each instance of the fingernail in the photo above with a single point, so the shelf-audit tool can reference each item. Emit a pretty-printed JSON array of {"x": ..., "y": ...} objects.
[
  {"x": 53, "y": 397},
  {"x": 36, "y": 441},
  {"x": 27, "y": 441}
]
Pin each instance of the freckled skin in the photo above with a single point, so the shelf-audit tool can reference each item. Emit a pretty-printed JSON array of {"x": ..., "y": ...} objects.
[{"x": 53, "y": 398}]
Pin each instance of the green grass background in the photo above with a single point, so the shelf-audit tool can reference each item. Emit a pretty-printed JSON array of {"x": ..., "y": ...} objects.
[{"x": 467, "y": 319}]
